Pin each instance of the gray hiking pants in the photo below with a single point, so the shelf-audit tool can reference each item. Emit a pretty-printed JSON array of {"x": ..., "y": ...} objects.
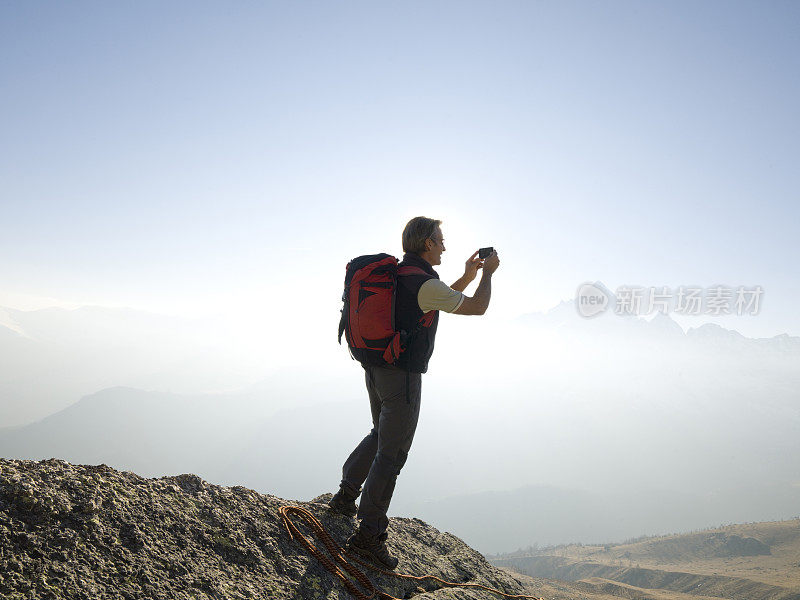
[{"x": 377, "y": 460}]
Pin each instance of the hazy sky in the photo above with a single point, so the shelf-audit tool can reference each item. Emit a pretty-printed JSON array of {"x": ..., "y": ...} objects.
[{"x": 194, "y": 157}]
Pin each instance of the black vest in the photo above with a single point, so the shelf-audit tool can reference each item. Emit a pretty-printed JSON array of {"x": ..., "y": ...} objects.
[{"x": 408, "y": 313}]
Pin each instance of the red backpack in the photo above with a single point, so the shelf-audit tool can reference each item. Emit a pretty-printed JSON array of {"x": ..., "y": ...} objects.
[{"x": 370, "y": 288}]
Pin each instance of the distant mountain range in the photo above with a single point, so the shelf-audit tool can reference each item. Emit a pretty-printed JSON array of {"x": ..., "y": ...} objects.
[
  {"x": 53, "y": 357},
  {"x": 658, "y": 327}
]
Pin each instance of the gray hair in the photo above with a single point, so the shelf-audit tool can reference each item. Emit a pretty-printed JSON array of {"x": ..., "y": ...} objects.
[{"x": 416, "y": 232}]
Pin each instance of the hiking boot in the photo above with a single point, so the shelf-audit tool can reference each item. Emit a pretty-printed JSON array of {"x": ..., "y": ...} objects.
[
  {"x": 343, "y": 504},
  {"x": 373, "y": 548}
]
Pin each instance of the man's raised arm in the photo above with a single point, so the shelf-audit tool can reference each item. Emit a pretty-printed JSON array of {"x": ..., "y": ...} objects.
[{"x": 479, "y": 302}]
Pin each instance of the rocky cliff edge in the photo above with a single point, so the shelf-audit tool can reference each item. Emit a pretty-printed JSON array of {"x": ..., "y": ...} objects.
[{"x": 78, "y": 532}]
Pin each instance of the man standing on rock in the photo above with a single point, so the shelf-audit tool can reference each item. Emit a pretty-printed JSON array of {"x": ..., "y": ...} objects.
[{"x": 395, "y": 390}]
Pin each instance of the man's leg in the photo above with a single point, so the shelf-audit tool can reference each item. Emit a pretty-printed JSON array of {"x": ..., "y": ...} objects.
[
  {"x": 357, "y": 465},
  {"x": 396, "y": 426}
]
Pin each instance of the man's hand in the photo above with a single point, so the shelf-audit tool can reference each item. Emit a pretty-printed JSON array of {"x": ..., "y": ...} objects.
[
  {"x": 470, "y": 272},
  {"x": 471, "y": 267},
  {"x": 491, "y": 262}
]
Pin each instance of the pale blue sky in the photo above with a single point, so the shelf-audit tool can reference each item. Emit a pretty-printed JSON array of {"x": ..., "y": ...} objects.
[{"x": 192, "y": 157}]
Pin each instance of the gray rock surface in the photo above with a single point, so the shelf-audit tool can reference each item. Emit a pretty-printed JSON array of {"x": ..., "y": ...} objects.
[{"x": 80, "y": 532}]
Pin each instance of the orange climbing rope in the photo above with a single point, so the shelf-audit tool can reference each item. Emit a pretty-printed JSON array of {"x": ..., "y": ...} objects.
[{"x": 341, "y": 556}]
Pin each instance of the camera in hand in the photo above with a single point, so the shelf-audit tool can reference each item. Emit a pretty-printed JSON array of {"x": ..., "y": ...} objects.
[{"x": 485, "y": 252}]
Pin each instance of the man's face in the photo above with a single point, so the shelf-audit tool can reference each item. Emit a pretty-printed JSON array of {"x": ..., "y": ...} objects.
[{"x": 437, "y": 247}]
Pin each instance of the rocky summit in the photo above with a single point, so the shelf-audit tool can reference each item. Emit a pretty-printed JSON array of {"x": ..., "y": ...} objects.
[{"x": 89, "y": 532}]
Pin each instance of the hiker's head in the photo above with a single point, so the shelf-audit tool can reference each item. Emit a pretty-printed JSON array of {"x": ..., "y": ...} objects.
[{"x": 423, "y": 236}]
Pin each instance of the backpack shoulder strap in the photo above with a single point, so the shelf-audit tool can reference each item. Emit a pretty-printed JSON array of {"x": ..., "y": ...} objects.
[{"x": 410, "y": 270}]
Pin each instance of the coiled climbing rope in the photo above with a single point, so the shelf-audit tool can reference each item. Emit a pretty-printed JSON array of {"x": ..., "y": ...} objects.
[{"x": 339, "y": 556}]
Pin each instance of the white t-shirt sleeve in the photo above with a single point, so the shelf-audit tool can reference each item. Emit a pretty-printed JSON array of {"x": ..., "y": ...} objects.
[{"x": 435, "y": 294}]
